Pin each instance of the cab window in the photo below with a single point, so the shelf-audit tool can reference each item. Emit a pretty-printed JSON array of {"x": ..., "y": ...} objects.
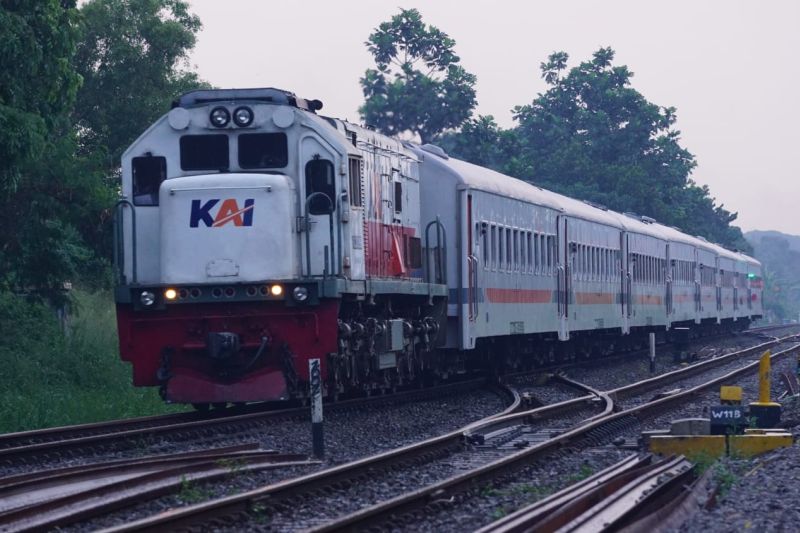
[
  {"x": 148, "y": 173},
  {"x": 320, "y": 179}
]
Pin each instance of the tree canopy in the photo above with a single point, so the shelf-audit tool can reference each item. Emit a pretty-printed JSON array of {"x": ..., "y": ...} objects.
[
  {"x": 592, "y": 136},
  {"x": 79, "y": 84},
  {"x": 418, "y": 85},
  {"x": 132, "y": 57}
]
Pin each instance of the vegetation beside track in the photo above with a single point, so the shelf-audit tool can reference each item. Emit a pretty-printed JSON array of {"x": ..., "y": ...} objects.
[{"x": 50, "y": 376}]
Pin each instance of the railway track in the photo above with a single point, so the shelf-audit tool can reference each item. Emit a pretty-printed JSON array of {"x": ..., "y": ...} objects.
[
  {"x": 31, "y": 447},
  {"x": 508, "y": 455}
]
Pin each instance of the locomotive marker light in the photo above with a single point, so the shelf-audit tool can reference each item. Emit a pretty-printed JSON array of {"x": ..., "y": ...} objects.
[
  {"x": 276, "y": 290},
  {"x": 243, "y": 116},
  {"x": 219, "y": 117},
  {"x": 170, "y": 294},
  {"x": 300, "y": 294},
  {"x": 315, "y": 393},
  {"x": 147, "y": 298}
]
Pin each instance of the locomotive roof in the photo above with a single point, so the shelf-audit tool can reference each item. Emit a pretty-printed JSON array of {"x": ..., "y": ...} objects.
[{"x": 267, "y": 95}]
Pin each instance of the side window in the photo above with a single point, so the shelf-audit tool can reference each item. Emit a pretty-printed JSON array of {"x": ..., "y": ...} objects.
[
  {"x": 148, "y": 173},
  {"x": 356, "y": 171},
  {"x": 509, "y": 264},
  {"x": 398, "y": 197},
  {"x": 515, "y": 241},
  {"x": 320, "y": 179},
  {"x": 493, "y": 238},
  {"x": 484, "y": 243},
  {"x": 529, "y": 250},
  {"x": 501, "y": 261}
]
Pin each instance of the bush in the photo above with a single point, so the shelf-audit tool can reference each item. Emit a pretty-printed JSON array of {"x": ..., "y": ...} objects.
[{"x": 51, "y": 377}]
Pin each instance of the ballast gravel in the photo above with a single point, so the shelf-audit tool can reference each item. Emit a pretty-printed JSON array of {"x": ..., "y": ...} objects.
[{"x": 349, "y": 436}]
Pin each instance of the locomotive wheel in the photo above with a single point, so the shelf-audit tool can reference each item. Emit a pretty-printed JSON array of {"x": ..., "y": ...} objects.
[{"x": 201, "y": 407}]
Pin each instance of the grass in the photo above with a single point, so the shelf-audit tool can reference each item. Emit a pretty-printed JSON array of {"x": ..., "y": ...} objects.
[{"x": 49, "y": 377}]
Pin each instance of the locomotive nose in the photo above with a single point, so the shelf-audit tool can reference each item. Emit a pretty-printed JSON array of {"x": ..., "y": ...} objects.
[{"x": 227, "y": 228}]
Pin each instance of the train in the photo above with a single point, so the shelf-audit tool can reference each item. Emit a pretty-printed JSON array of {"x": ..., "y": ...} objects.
[{"x": 255, "y": 234}]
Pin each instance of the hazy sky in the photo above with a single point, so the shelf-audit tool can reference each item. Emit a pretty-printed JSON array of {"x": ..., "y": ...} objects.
[{"x": 731, "y": 68}]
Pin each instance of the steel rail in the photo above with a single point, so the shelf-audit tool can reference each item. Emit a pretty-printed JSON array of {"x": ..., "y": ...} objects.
[
  {"x": 405, "y": 503},
  {"x": 239, "y": 503},
  {"x": 312, "y": 482},
  {"x": 116, "y": 437}
]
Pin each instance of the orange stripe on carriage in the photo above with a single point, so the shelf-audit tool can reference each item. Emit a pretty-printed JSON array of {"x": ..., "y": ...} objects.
[
  {"x": 588, "y": 298},
  {"x": 649, "y": 299},
  {"x": 519, "y": 296}
]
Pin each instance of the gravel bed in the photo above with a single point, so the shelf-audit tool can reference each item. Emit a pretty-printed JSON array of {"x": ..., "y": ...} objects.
[
  {"x": 470, "y": 511},
  {"x": 616, "y": 372},
  {"x": 349, "y": 436}
]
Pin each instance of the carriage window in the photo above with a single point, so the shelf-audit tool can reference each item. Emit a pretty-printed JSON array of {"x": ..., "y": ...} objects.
[
  {"x": 500, "y": 249},
  {"x": 204, "y": 152},
  {"x": 509, "y": 265},
  {"x": 263, "y": 150},
  {"x": 494, "y": 245},
  {"x": 356, "y": 170},
  {"x": 529, "y": 249},
  {"x": 515, "y": 241},
  {"x": 148, "y": 173},
  {"x": 320, "y": 179},
  {"x": 484, "y": 243}
]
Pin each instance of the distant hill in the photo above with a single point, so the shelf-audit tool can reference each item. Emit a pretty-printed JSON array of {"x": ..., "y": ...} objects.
[
  {"x": 755, "y": 237},
  {"x": 780, "y": 255}
]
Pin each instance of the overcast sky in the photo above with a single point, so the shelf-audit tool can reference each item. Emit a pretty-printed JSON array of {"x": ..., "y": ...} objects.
[{"x": 731, "y": 68}]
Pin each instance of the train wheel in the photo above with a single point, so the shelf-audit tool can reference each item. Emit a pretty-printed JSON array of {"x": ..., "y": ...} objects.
[{"x": 201, "y": 407}]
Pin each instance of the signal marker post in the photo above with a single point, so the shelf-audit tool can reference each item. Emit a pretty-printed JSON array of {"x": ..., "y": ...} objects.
[
  {"x": 315, "y": 395},
  {"x": 652, "y": 353}
]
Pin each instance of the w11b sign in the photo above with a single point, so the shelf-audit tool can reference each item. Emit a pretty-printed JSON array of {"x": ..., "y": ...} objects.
[{"x": 727, "y": 419}]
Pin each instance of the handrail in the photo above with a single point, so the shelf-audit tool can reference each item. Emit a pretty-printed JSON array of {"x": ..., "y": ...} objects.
[
  {"x": 307, "y": 229},
  {"x": 441, "y": 252},
  {"x": 119, "y": 246}
]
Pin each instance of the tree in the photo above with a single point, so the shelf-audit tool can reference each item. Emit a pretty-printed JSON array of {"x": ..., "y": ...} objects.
[
  {"x": 42, "y": 196},
  {"x": 418, "y": 87},
  {"x": 593, "y": 136},
  {"x": 131, "y": 56}
]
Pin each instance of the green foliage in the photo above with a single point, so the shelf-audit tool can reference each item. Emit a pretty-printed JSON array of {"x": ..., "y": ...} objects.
[
  {"x": 592, "y": 136},
  {"x": 781, "y": 261},
  {"x": 193, "y": 493},
  {"x": 50, "y": 378},
  {"x": 418, "y": 85},
  {"x": 131, "y": 57}
]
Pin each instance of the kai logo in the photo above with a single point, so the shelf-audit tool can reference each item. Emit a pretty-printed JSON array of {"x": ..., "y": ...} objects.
[{"x": 228, "y": 211}]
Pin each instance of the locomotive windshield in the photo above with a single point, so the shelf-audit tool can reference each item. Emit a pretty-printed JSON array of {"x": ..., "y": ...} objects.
[
  {"x": 204, "y": 152},
  {"x": 263, "y": 150}
]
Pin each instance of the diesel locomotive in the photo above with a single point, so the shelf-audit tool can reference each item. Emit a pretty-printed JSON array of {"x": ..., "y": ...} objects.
[{"x": 254, "y": 234}]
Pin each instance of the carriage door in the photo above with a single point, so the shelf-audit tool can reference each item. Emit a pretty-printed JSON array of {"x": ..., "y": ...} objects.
[
  {"x": 668, "y": 279},
  {"x": 317, "y": 225},
  {"x": 563, "y": 277},
  {"x": 624, "y": 283}
]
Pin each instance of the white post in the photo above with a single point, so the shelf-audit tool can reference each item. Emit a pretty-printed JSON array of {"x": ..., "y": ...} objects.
[{"x": 315, "y": 395}]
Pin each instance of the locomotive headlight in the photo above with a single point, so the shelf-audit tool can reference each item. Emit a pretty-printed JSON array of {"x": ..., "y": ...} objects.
[
  {"x": 170, "y": 294},
  {"x": 276, "y": 290},
  {"x": 219, "y": 117},
  {"x": 300, "y": 294},
  {"x": 147, "y": 298},
  {"x": 243, "y": 116}
]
